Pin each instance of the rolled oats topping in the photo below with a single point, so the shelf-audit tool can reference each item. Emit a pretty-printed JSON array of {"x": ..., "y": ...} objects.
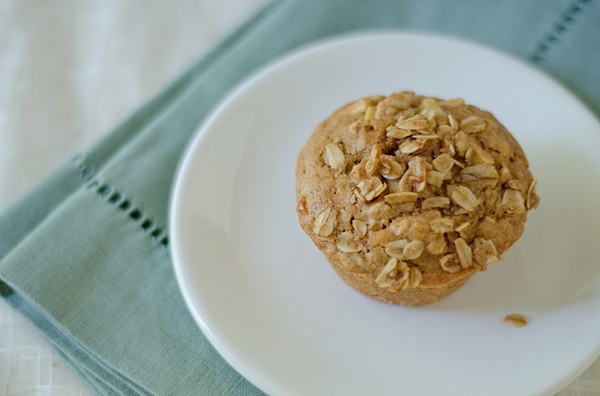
[
  {"x": 477, "y": 172},
  {"x": 347, "y": 243},
  {"x": 464, "y": 198},
  {"x": 395, "y": 249},
  {"x": 514, "y": 184},
  {"x": 360, "y": 227},
  {"x": 411, "y": 146},
  {"x": 512, "y": 201},
  {"x": 413, "y": 250},
  {"x": 414, "y": 277},
  {"x": 475, "y": 154},
  {"x": 408, "y": 192},
  {"x": 325, "y": 223},
  {"x": 373, "y": 161},
  {"x": 453, "y": 123},
  {"x": 485, "y": 252},
  {"x": 442, "y": 225},
  {"x": 401, "y": 197},
  {"x": 384, "y": 111},
  {"x": 505, "y": 174},
  {"x": 472, "y": 124},
  {"x": 390, "y": 168},
  {"x": 369, "y": 114},
  {"x": 455, "y": 102},
  {"x": 405, "y": 183},
  {"x": 360, "y": 106},
  {"x": 435, "y": 178},
  {"x": 465, "y": 255},
  {"x": 461, "y": 143},
  {"x": 532, "y": 198},
  {"x": 462, "y": 226},
  {"x": 437, "y": 245},
  {"x": 445, "y": 130},
  {"x": 418, "y": 168},
  {"x": 448, "y": 145},
  {"x": 400, "y": 226},
  {"x": 443, "y": 163},
  {"x": 358, "y": 173},
  {"x": 334, "y": 156},
  {"x": 353, "y": 128},
  {"x": 400, "y": 100},
  {"x": 415, "y": 123},
  {"x": 397, "y": 133},
  {"x": 450, "y": 263},
  {"x": 369, "y": 189},
  {"x": 435, "y": 202},
  {"x": 394, "y": 276},
  {"x": 425, "y": 137},
  {"x": 393, "y": 185}
]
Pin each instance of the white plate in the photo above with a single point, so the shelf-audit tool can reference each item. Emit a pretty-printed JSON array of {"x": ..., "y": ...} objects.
[{"x": 272, "y": 306}]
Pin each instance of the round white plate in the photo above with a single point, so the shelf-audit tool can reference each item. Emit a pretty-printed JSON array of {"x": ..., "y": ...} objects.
[{"x": 270, "y": 303}]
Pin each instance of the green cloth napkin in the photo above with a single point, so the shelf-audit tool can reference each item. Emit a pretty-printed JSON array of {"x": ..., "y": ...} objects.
[{"x": 85, "y": 255}]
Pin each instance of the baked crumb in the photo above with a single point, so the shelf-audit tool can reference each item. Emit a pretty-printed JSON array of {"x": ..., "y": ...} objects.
[{"x": 516, "y": 320}]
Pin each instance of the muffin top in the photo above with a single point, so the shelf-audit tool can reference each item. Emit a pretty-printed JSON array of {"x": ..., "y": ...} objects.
[{"x": 413, "y": 191}]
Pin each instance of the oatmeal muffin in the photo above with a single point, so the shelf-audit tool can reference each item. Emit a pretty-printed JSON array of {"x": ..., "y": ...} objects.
[{"x": 408, "y": 196}]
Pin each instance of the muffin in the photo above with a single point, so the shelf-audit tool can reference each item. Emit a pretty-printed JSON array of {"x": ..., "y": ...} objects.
[{"x": 408, "y": 196}]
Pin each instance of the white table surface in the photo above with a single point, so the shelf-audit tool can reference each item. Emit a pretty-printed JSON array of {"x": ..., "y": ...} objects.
[{"x": 70, "y": 71}]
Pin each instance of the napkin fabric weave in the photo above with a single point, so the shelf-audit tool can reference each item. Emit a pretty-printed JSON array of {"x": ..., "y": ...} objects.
[{"x": 85, "y": 255}]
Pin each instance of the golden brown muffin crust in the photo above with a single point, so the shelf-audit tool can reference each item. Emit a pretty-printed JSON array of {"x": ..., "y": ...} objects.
[{"x": 408, "y": 196}]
